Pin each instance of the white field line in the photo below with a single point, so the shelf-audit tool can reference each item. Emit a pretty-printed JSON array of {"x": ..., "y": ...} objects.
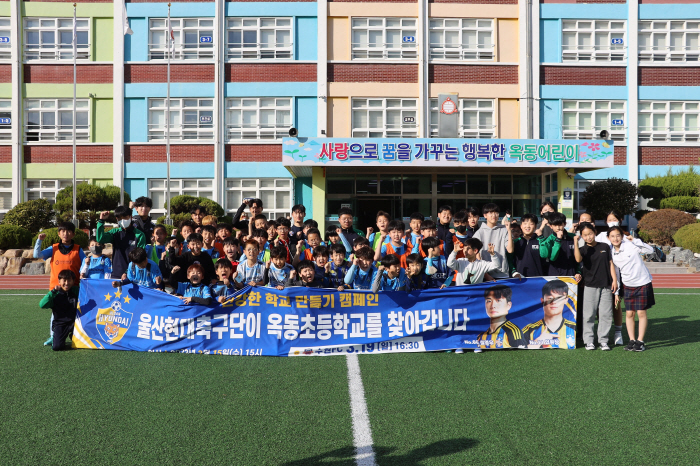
[
  {"x": 30, "y": 294},
  {"x": 361, "y": 430}
]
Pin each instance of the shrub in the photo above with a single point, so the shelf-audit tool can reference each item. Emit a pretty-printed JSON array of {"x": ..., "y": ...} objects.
[
  {"x": 113, "y": 196},
  {"x": 90, "y": 201},
  {"x": 660, "y": 226},
  {"x": 81, "y": 238},
  {"x": 31, "y": 215},
  {"x": 654, "y": 203},
  {"x": 688, "y": 237},
  {"x": 641, "y": 213},
  {"x": 612, "y": 194},
  {"x": 684, "y": 183},
  {"x": 184, "y": 203},
  {"x": 14, "y": 237},
  {"x": 684, "y": 203},
  {"x": 176, "y": 218}
]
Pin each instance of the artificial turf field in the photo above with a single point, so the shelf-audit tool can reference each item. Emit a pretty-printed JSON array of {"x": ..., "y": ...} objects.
[{"x": 499, "y": 407}]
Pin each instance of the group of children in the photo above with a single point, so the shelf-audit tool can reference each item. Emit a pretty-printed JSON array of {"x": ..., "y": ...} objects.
[{"x": 213, "y": 260}]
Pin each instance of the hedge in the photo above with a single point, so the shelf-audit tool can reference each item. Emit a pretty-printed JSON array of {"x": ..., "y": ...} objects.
[
  {"x": 31, "y": 215},
  {"x": 14, "y": 237},
  {"x": 183, "y": 204},
  {"x": 81, "y": 238},
  {"x": 660, "y": 226},
  {"x": 688, "y": 237},
  {"x": 684, "y": 183},
  {"x": 684, "y": 203}
]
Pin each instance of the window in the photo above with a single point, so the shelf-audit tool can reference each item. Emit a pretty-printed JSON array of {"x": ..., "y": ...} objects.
[
  {"x": 5, "y": 45},
  {"x": 190, "y": 187},
  {"x": 194, "y": 39},
  {"x": 276, "y": 193},
  {"x": 190, "y": 119},
  {"x": 258, "y": 38},
  {"x": 384, "y": 118},
  {"x": 46, "y": 189},
  {"x": 476, "y": 118},
  {"x": 675, "y": 41},
  {"x": 52, "y": 120},
  {"x": 5, "y": 196},
  {"x": 377, "y": 38},
  {"x": 5, "y": 120},
  {"x": 579, "y": 187},
  {"x": 585, "y": 119},
  {"x": 258, "y": 118},
  {"x": 669, "y": 121},
  {"x": 52, "y": 38},
  {"x": 593, "y": 40},
  {"x": 461, "y": 39}
]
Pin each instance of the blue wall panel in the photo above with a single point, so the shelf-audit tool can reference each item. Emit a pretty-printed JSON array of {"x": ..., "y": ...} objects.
[
  {"x": 135, "y": 187},
  {"x": 618, "y": 171},
  {"x": 135, "y": 120},
  {"x": 306, "y": 114},
  {"x": 302, "y": 195},
  {"x": 583, "y": 10},
  {"x": 255, "y": 170},
  {"x": 550, "y": 41},
  {"x": 176, "y": 90},
  {"x": 583, "y": 92},
  {"x": 136, "y": 45},
  {"x": 177, "y": 10},
  {"x": 177, "y": 170},
  {"x": 550, "y": 120},
  {"x": 306, "y": 47},
  {"x": 669, "y": 11},
  {"x": 669, "y": 92},
  {"x": 270, "y": 89},
  {"x": 271, "y": 9}
]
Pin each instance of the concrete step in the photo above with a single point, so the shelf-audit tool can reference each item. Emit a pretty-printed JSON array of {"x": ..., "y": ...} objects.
[{"x": 654, "y": 268}]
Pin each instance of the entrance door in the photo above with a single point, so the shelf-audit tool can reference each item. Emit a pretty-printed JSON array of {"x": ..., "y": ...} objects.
[{"x": 367, "y": 209}]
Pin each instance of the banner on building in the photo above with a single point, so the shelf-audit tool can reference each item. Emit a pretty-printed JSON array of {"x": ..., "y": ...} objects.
[
  {"x": 435, "y": 152},
  {"x": 257, "y": 321}
]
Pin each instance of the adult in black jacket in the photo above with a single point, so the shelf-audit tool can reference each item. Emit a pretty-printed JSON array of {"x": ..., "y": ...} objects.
[
  {"x": 443, "y": 228},
  {"x": 124, "y": 239},
  {"x": 193, "y": 256}
]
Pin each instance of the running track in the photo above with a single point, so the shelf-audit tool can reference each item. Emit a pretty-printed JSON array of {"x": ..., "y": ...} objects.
[{"x": 41, "y": 282}]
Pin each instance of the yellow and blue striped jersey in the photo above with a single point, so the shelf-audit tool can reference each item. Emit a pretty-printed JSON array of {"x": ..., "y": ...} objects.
[
  {"x": 565, "y": 335},
  {"x": 507, "y": 335}
]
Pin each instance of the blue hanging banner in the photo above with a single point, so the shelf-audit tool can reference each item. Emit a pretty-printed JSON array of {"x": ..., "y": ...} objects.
[{"x": 258, "y": 321}]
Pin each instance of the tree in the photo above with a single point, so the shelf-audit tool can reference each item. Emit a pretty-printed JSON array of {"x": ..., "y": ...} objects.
[
  {"x": 31, "y": 215},
  {"x": 612, "y": 194},
  {"x": 90, "y": 201}
]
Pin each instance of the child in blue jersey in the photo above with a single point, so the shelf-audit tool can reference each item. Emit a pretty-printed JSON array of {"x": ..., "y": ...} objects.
[
  {"x": 156, "y": 251},
  {"x": 305, "y": 249},
  {"x": 250, "y": 271},
  {"x": 260, "y": 235},
  {"x": 378, "y": 237},
  {"x": 361, "y": 274},
  {"x": 194, "y": 291},
  {"x": 415, "y": 275},
  {"x": 96, "y": 265},
  {"x": 436, "y": 270},
  {"x": 413, "y": 234},
  {"x": 209, "y": 242},
  {"x": 332, "y": 236},
  {"x": 390, "y": 276},
  {"x": 320, "y": 259},
  {"x": 277, "y": 270},
  {"x": 187, "y": 227},
  {"x": 337, "y": 267},
  {"x": 224, "y": 286},
  {"x": 141, "y": 271},
  {"x": 553, "y": 331},
  {"x": 305, "y": 276},
  {"x": 394, "y": 246}
]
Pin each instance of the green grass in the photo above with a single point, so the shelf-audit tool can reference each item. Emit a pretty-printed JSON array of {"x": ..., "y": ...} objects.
[{"x": 498, "y": 407}]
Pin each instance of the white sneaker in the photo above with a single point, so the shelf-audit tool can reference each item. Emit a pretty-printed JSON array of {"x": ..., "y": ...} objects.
[
  {"x": 618, "y": 339},
  {"x": 459, "y": 351},
  {"x": 604, "y": 347},
  {"x": 590, "y": 346},
  {"x": 478, "y": 350}
]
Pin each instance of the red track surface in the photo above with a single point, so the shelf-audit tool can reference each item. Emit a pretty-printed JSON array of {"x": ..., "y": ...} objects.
[{"x": 41, "y": 282}]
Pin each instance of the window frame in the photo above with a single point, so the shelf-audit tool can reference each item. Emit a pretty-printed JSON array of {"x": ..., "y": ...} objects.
[
  {"x": 177, "y": 188},
  {"x": 259, "y": 52},
  {"x": 5, "y": 129},
  {"x": 233, "y": 202},
  {"x": 459, "y": 52},
  {"x": 410, "y": 131},
  {"x": 4, "y": 190},
  {"x": 179, "y": 129},
  {"x": 655, "y": 134},
  {"x": 464, "y": 132},
  {"x": 665, "y": 54},
  {"x": 6, "y": 31},
  {"x": 158, "y": 51},
  {"x": 57, "y": 52},
  {"x": 59, "y": 184},
  {"x": 406, "y": 51},
  {"x": 617, "y": 133},
  {"x": 82, "y": 132},
  {"x": 613, "y": 53},
  {"x": 260, "y": 131}
]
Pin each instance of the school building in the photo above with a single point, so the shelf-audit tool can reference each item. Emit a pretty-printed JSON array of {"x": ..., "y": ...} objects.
[{"x": 243, "y": 73}]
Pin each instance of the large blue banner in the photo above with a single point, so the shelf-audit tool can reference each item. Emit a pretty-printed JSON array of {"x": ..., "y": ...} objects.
[{"x": 258, "y": 321}]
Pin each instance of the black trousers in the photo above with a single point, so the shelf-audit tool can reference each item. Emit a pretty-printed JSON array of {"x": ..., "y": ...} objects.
[{"x": 61, "y": 330}]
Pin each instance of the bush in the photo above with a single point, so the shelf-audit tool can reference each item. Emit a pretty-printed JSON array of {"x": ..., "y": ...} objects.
[
  {"x": 31, "y": 215},
  {"x": 112, "y": 197},
  {"x": 612, "y": 194},
  {"x": 688, "y": 237},
  {"x": 183, "y": 204},
  {"x": 684, "y": 203},
  {"x": 685, "y": 183},
  {"x": 176, "y": 218},
  {"x": 660, "y": 226},
  {"x": 81, "y": 238},
  {"x": 641, "y": 213},
  {"x": 14, "y": 237},
  {"x": 654, "y": 203},
  {"x": 90, "y": 201}
]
